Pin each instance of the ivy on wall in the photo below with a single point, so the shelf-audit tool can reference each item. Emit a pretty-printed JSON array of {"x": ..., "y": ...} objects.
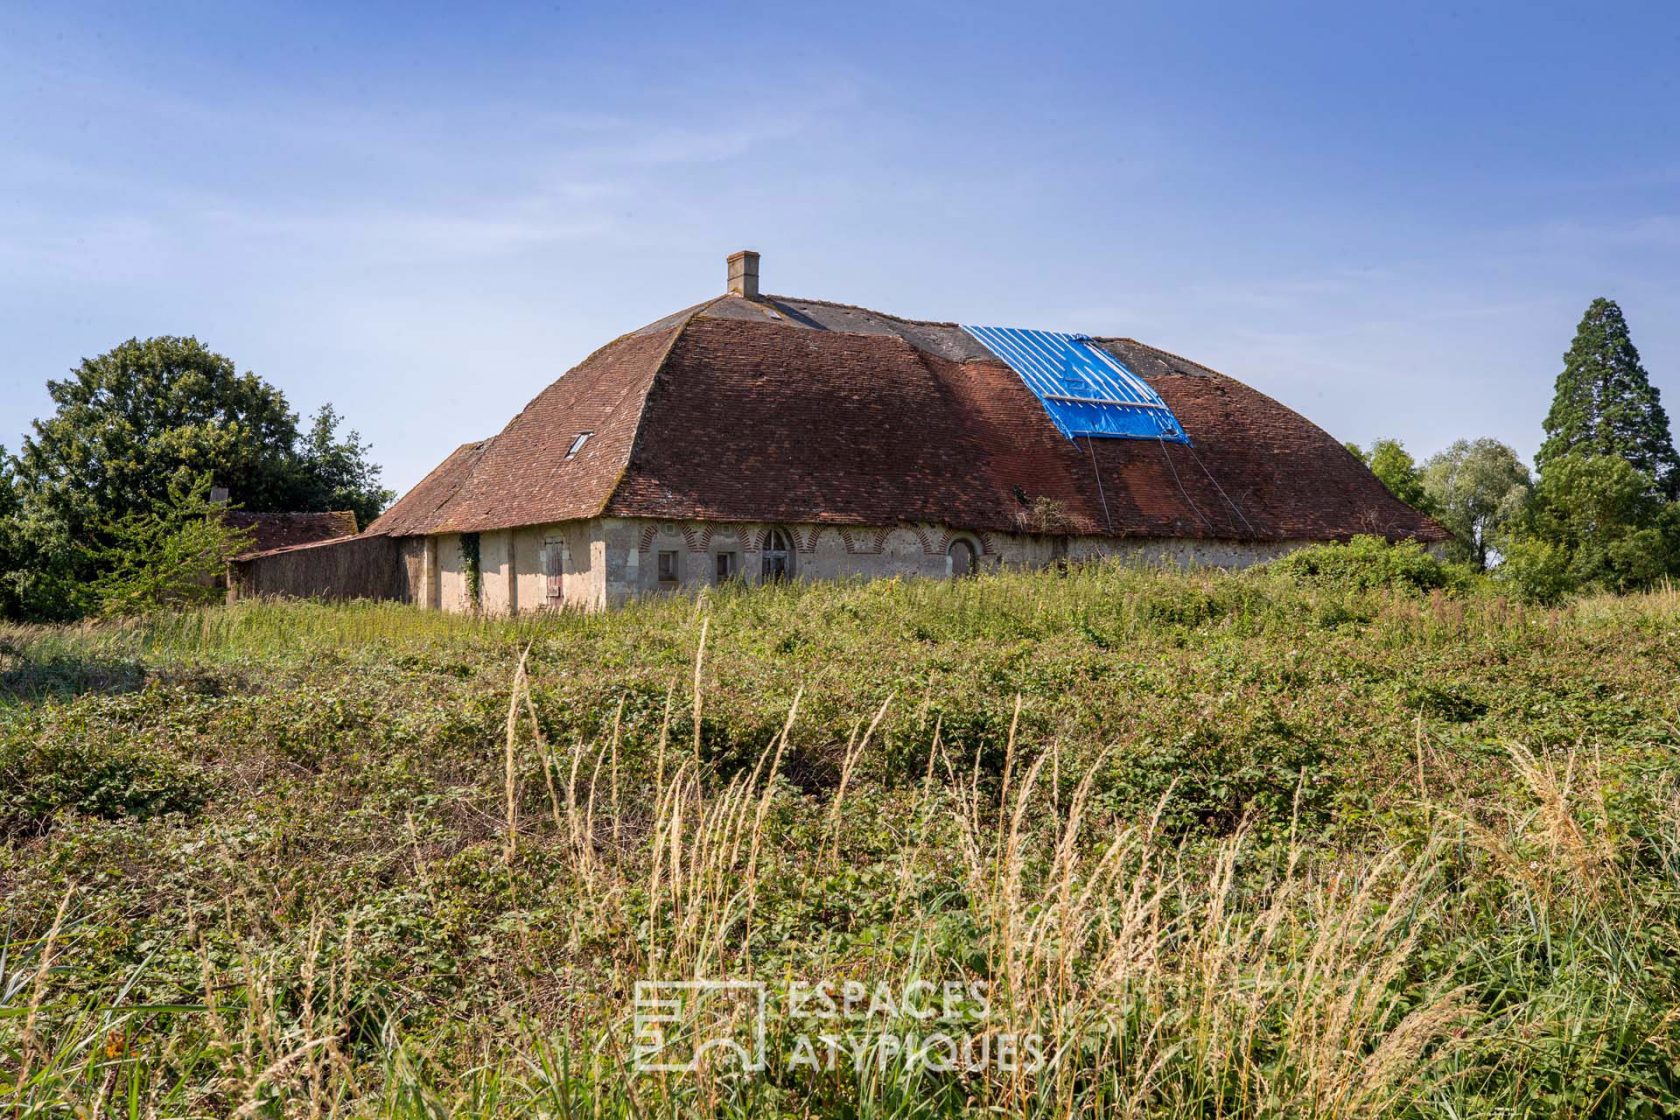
[{"x": 471, "y": 569}]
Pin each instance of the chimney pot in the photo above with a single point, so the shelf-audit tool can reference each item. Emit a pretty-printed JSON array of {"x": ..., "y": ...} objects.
[{"x": 743, "y": 274}]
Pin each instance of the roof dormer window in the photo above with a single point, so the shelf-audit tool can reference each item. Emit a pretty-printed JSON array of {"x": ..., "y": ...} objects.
[{"x": 577, "y": 444}]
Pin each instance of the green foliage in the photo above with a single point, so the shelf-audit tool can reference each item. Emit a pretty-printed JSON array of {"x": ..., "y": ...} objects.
[
  {"x": 1366, "y": 563},
  {"x": 284, "y": 829},
  {"x": 1606, "y": 406},
  {"x": 57, "y": 763},
  {"x": 1245, "y": 767},
  {"x": 472, "y": 568},
  {"x": 1593, "y": 523},
  {"x": 1393, "y": 464},
  {"x": 1232, "y": 860},
  {"x": 337, "y": 473},
  {"x": 13, "y": 548},
  {"x": 1602, "y": 516},
  {"x": 167, "y": 557},
  {"x": 130, "y": 421},
  {"x": 141, "y": 422},
  {"x": 1476, "y": 488},
  {"x": 1538, "y": 569}
]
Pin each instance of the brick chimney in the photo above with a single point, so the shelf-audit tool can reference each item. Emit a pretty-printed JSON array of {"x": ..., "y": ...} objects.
[{"x": 743, "y": 274}]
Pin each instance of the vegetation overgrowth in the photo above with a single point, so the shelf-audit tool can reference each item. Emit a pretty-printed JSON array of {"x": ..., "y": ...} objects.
[{"x": 1341, "y": 837}]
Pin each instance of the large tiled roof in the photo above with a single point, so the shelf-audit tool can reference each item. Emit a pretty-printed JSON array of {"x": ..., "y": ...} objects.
[{"x": 805, "y": 411}]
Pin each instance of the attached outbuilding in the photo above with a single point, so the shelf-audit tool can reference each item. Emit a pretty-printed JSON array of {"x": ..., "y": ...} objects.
[{"x": 759, "y": 438}]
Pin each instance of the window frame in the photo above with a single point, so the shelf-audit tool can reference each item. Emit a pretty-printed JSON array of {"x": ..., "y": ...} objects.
[
  {"x": 659, "y": 562},
  {"x": 726, "y": 566},
  {"x": 975, "y": 552},
  {"x": 769, "y": 555}
]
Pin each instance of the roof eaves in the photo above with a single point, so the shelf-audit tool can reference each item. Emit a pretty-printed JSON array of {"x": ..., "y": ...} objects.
[{"x": 259, "y": 554}]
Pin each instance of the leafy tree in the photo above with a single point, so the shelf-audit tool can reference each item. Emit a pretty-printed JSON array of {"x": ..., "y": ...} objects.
[
  {"x": 132, "y": 423},
  {"x": 169, "y": 556},
  {"x": 338, "y": 473},
  {"x": 11, "y": 539},
  {"x": 138, "y": 427},
  {"x": 36, "y": 576},
  {"x": 1538, "y": 569},
  {"x": 1605, "y": 403},
  {"x": 1393, "y": 464},
  {"x": 1593, "y": 523},
  {"x": 1475, "y": 488}
]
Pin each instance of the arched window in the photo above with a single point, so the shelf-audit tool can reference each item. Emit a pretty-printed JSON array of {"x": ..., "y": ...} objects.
[
  {"x": 962, "y": 558},
  {"x": 778, "y": 557}
]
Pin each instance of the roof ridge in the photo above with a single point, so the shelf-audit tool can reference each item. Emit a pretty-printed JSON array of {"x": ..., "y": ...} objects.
[
  {"x": 1168, "y": 353},
  {"x": 676, "y": 330},
  {"x": 860, "y": 307}
]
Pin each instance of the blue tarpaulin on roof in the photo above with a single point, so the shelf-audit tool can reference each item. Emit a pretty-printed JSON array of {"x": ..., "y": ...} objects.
[{"x": 1086, "y": 390}]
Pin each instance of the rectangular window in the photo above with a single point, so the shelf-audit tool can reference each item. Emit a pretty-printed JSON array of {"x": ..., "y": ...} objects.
[
  {"x": 669, "y": 572},
  {"x": 577, "y": 444},
  {"x": 554, "y": 570},
  {"x": 728, "y": 566}
]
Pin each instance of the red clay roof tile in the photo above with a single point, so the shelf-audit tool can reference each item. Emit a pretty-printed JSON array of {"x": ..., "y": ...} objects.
[{"x": 805, "y": 411}]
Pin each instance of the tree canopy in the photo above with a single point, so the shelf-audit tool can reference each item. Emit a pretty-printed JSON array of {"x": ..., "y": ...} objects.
[
  {"x": 1475, "y": 488},
  {"x": 132, "y": 422},
  {"x": 138, "y": 427},
  {"x": 1393, "y": 464},
  {"x": 1594, "y": 523},
  {"x": 1605, "y": 403}
]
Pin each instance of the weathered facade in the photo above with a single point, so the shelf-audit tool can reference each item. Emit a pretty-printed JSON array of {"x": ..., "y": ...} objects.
[{"x": 761, "y": 437}]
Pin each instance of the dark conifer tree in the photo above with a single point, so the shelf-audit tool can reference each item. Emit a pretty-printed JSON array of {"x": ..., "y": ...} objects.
[{"x": 1605, "y": 403}]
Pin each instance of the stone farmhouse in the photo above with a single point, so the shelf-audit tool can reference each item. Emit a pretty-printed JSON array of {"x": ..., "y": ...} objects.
[{"x": 757, "y": 437}]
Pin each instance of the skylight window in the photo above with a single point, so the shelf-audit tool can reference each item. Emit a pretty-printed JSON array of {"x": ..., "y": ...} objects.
[{"x": 577, "y": 444}]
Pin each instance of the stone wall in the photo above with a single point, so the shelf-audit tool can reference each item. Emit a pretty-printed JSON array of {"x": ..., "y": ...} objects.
[
  {"x": 514, "y": 570},
  {"x": 633, "y": 548},
  {"x": 609, "y": 561},
  {"x": 347, "y": 568}
]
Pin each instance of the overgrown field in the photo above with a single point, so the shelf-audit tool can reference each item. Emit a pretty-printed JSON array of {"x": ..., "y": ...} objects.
[{"x": 1271, "y": 844}]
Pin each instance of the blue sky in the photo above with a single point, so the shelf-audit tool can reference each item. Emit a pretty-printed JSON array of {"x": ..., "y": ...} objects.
[{"x": 1390, "y": 217}]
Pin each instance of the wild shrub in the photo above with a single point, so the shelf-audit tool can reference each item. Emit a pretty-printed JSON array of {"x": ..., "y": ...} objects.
[
  {"x": 1227, "y": 859},
  {"x": 81, "y": 770},
  {"x": 1368, "y": 563},
  {"x": 1247, "y": 768}
]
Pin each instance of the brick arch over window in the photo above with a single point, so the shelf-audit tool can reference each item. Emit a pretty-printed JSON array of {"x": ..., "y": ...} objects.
[
  {"x": 865, "y": 542},
  {"x": 780, "y": 546},
  {"x": 984, "y": 542},
  {"x": 761, "y": 537},
  {"x": 743, "y": 538},
  {"x": 690, "y": 534}
]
